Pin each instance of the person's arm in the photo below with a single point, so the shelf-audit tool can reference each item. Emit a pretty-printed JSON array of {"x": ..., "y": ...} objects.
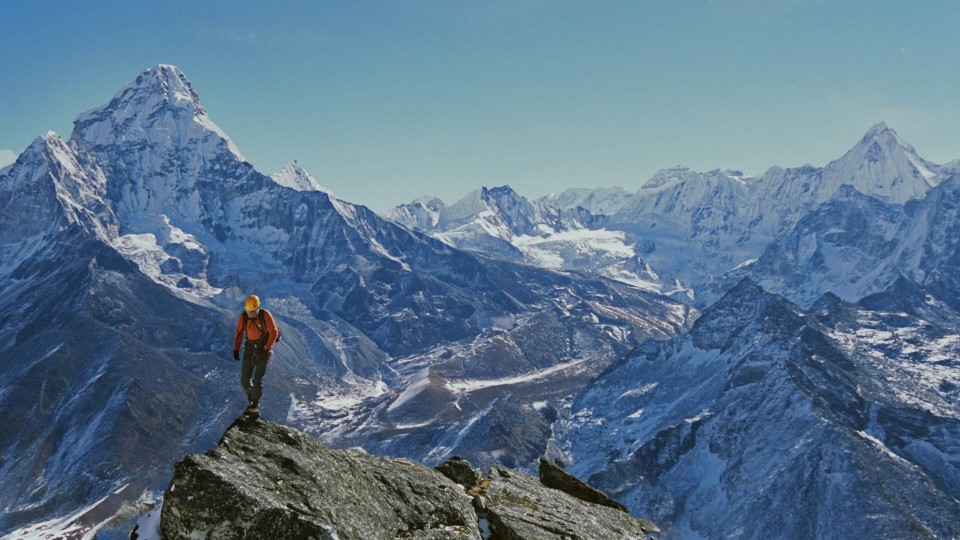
[
  {"x": 272, "y": 332},
  {"x": 239, "y": 338}
]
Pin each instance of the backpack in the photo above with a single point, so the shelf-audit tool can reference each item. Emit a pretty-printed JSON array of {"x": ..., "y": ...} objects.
[{"x": 263, "y": 324}]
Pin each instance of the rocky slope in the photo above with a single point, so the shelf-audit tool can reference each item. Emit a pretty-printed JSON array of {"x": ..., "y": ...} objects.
[
  {"x": 855, "y": 246},
  {"x": 264, "y": 480},
  {"x": 767, "y": 420}
]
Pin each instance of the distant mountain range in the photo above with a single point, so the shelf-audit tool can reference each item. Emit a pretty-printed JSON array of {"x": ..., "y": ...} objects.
[
  {"x": 682, "y": 229},
  {"x": 769, "y": 356}
]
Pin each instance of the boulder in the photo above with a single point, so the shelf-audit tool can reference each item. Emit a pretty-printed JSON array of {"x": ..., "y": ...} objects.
[
  {"x": 555, "y": 477},
  {"x": 521, "y": 508},
  {"x": 263, "y": 480},
  {"x": 268, "y": 481},
  {"x": 460, "y": 471}
]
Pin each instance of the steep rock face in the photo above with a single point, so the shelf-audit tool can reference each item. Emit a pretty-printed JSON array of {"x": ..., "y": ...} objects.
[
  {"x": 767, "y": 420},
  {"x": 267, "y": 481},
  {"x": 685, "y": 225},
  {"x": 553, "y": 476},
  {"x": 855, "y": 245},
  {"x": 519, "y": 508},
  {"x": 160, "y": 149},
  {"x": 45, "y": 192},
  {"x": 517, "y": 214},
  {"x": 705, "y": 207},
  {"x": 101, "y": 386}
]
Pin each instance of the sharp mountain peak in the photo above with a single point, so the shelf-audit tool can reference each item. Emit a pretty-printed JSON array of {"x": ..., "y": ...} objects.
[
  {"x": 293, "y": 175},
  {"x": 160, "y": 107}
]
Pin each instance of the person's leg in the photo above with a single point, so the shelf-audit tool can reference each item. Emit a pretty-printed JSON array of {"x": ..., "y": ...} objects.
[
  {"x": 260, "y": 369},
  {"x": 246, "y": 371}
]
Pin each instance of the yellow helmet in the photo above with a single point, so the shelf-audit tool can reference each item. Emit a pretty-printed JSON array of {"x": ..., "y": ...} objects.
[{"x": 253, "y": 303}]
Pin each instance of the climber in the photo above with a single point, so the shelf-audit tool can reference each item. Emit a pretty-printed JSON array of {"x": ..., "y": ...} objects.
[{"x": 261, "y": 332}]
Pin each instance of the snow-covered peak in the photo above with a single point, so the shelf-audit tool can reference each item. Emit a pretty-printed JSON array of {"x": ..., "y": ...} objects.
[
  {"x": 734, "y": 174},
  {"x": 952, "y": 167},
  {"x": 162, "y": 153},
  {"x": 430, "y": 201},
  {"x": 881, "y": 165},
  {"x": 886, "y": 139},
  {"x": 595, "y": 201},
  {"x": 507, "y": 202},
  {"x": 423, "y": 214},
  {"x": 668, "y": 177},
  {"x": 170, "y": 83},
  {"x": 159, "y": 107},
  {"x": 501, "y": 192},
  {"x": 296, "y": 177},
  {"x": 46, "y": 155},
  {"x": 465, "y": 209},
  {"x": 879, "y": 130},
  {"x": 48, "y": 189},
  {"x": 503, "y": 207}
]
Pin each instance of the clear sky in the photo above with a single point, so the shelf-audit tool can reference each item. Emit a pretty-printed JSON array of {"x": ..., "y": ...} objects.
[{"x": 384, "y": 102}]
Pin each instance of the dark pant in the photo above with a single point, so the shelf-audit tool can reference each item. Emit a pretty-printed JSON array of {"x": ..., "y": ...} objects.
[{"x": 255, "y": 365}]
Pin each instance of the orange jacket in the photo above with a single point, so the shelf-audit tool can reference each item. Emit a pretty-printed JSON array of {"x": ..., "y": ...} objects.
[{"x": 254, "y": 332}]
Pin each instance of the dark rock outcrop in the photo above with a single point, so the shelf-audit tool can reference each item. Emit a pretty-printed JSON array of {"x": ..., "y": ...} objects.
[
  {"x": 460, "y": 471},
  {"x": 520, "y": 508},
  {"x": 268, "y": 481},
  {"x": 555, "y": 477}
]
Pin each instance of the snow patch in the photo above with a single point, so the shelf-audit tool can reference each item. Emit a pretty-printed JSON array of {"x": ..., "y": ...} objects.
[
  {"x": 470, "y": 385},
  {"x": 420, "y": 381},
  {"x": 884, "y": 448}
]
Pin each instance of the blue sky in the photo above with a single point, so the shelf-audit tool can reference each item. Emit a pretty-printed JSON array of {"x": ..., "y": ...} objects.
[{"x": 383, "y": 102}]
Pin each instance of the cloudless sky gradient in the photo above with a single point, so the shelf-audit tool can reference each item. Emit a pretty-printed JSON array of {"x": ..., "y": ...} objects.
[{"x": 385, "y": 101}]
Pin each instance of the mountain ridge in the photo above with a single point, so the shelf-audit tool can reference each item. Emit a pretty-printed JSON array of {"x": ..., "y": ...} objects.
[
  {"x": 683, "y": 229},
  {"x": 374, "y": 315},
  {"x": 263, "y": 479},
  {"x": 126, "y": 253},
  {"x": 767, "y": 419}
]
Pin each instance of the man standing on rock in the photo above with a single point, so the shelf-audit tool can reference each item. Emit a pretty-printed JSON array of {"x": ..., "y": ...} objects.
[{"x": 261, "y": 333}]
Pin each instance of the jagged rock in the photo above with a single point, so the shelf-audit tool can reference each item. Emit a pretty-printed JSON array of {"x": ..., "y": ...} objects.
[
  {"x": 460, "y": 471},
  {"x": 268, "y": 481},
  {"x": 521, "y": 508},
  {"x": 555, "y": 477}
]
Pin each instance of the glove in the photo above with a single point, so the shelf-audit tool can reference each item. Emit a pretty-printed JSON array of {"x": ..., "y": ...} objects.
[
  {"x": 236, "y": 355},
  {"x": 269, "y": 356}
]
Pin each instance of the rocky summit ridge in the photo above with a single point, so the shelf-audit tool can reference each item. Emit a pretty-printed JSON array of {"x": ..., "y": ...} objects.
[{"x": 264, "y": 480}]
